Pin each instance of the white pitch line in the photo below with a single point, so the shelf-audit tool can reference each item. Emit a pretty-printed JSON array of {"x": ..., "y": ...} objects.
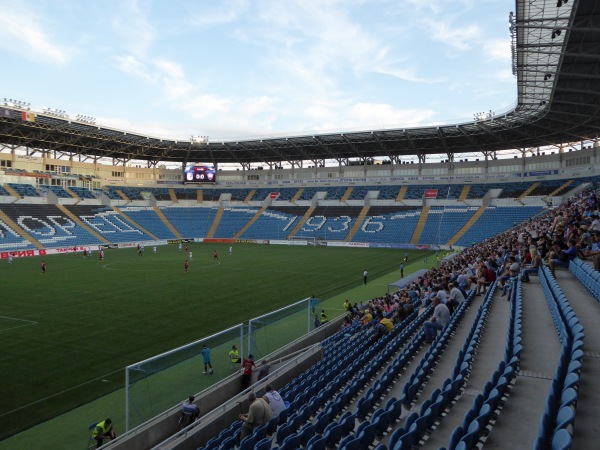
[
  {"x": 29, "y": 322},
  {"x": 15, "y": 318}
]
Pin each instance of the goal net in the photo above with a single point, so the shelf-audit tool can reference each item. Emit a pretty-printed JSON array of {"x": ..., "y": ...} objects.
[
  {"x": 158, "y": 383},
  {"x": 273, "y": 330},
  {"x": 302, "y": 240}
]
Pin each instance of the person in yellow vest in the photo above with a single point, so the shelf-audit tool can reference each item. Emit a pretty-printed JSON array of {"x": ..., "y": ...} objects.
[
  {"x": 103, "y": 430},
  {"x": 234, "y": 355},
  {"x": 323, "y": 317}
]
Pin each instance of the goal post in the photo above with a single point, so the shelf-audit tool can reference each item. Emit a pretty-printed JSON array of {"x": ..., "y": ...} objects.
[
  {"x": 156, "y": 384},
  {"x": 278, "y": 328},
  {"x": 311, "y": 241}
]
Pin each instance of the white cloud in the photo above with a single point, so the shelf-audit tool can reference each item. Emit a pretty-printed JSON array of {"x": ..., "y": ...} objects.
[
  {"x": 497, "y": 49},
  {"x": 22, "y": 31},
  {"x": 173, "y": 79},
  {"x": 386, "y": 115},
  {"x": 459, "y": 36},
  {"x": 227, "y": 12},
  {"x": 132, "y": 66},
  {"x": 136, "y": 33}
]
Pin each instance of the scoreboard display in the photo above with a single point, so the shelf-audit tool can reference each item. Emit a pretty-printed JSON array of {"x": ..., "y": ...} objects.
[{"x": 199, "y": 173}]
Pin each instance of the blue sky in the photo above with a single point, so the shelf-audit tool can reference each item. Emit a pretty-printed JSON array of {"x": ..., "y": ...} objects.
[{"x": 248, "y": 68}]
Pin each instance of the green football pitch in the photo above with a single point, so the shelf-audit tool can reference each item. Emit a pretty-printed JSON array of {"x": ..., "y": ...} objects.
[{"x": 68, "y": 334}]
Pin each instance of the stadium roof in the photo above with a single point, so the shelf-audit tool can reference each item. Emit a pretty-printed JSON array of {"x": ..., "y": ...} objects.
[{"x": 556, "y": 56}]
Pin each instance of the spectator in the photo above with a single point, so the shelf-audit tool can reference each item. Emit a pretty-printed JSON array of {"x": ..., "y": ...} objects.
[
  {"x": 562, "y": 259},
  {"x": 234, "y": 355},
  {"x": 536, "y": 263},
  {"x": 263, "y": 371},
  {"x": 274, "y": 400},
  {"x": 189, "y": 412},
  {"x": 259, "y": 413},
  {"x": 440, "y": 318},
  {"x": 455, "y": 298},
  {"x": 247, "y": 366},
  {"x": 382, "y": 327},
  {"x": 103, "y": 430},
  {"x": 595, "y": 252},
  {"x": 323, "y": 317},
  {"x": 487, "y": 277},
  {"x": 317, "y": 322}
]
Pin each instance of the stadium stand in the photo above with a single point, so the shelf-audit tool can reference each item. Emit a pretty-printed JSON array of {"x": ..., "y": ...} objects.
[
  {"x": 443, "y": 223},
  {"x": 110, "y": 191},
  {"x": 463, "y": 391},
  {"x": 60, "y": 191},
  {"x": 232, "y": 221},
  {"x": 82, "y": 192},
  {"x": 186, "y": 194},
  {"x": 274, "y": 223},
  {"x": 332, "y": 193},
  {"x": 146, "y": 217},
  {"x": 190, "y": 222},
  {"x": 24, "y": 190},
  {"x": 388, "y": 224},
  {"x": 47, "y": 224},
  {"x": 160, "y": 194},
  {"x": 107, "y": 223},
  {"x": 329, "y": 222},
  {"x": 496, "y": 219},
  {"x": 283, "y": 194}
]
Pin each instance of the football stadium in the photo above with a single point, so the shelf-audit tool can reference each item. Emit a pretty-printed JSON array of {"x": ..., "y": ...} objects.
[{"x": 426, "y": 287}]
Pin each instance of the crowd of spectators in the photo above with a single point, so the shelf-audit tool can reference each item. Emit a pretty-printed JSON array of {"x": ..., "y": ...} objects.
[{"x": 554, "y": 239}]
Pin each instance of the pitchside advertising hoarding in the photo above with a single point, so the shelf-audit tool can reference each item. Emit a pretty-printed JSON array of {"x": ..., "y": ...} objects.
[
  {"x": 75, "y": 249},
  {"x": 46, "y": 251}
]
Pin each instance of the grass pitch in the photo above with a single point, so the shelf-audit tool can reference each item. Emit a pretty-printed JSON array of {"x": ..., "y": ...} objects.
[{"x": 68, "y": 335}]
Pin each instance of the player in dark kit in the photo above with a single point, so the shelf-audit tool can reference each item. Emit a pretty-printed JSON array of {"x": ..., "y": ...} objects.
[
  {"x": 186, "y": 265},
  {"x": 43, "y": 267},
  {"x": 215, "y": 256}
]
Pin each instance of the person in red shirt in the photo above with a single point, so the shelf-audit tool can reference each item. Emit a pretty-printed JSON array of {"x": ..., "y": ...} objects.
[
  {"x": 247, "y": 366},
  {"x": 186, "y": 265},
  {"x": 487, "y": 277},
  {"x": 215, "y": 256},
  {"x": 43, "y": 267}
]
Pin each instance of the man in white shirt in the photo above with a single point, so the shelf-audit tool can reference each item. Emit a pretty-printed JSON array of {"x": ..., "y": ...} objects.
[
  {"x": 440, "y": 318},
  {"x": 274, "y": 400},
  {"x": 455, "y": 298},
  {"x": 595, "y": 225}
]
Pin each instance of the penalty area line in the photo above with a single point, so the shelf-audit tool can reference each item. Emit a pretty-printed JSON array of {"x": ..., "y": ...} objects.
[{"x": 26, "y": 324}]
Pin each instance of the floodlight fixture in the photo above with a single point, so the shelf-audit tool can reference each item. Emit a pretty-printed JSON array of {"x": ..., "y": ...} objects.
[
  {"x": 17, "y": 103},
  {"x": 555, "y": 33},
  {"x": 198, "y": 140},
  {"x": 513, "y": 41},
  {"x": 482, "y": 116},
  {"x": 60, "y": 113},
  {"x": 85, "y": 119}
]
